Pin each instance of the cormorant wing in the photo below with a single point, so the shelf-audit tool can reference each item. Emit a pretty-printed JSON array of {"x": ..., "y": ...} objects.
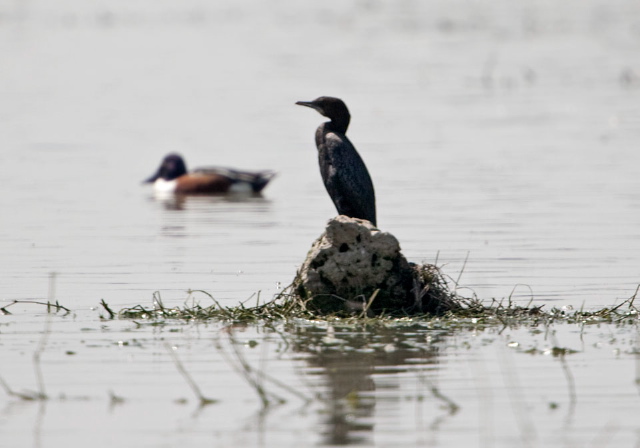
[{"x": 347, "y": 179}]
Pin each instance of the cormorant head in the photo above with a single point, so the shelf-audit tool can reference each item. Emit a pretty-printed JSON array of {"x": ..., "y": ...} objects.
[
  {"x": 333, "y": 108},
  {"x": 171, "y": 168}
]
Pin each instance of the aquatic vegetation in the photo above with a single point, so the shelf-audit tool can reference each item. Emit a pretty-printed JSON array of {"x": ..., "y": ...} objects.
[
  {"x": 52, "y": 307},
  {"x": 467, "y": 312}
]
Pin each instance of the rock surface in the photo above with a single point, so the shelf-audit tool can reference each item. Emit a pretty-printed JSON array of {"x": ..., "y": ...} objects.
[{"x": 352, "y": 260}]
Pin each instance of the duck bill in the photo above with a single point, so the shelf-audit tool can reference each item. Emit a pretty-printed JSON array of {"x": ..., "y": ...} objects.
[{"x": 152, "y": 179}]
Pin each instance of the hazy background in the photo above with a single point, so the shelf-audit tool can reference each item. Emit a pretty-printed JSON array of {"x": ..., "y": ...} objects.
[{"x": 504, "y": 130}]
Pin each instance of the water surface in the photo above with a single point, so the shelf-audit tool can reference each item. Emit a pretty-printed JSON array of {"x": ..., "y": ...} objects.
[{"x": 502, "y": 133}]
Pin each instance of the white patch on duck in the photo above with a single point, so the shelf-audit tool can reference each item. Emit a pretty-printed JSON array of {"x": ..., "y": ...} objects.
[
  {"x": 164, "y": 186},
  {"x": 241, "y": 187}
]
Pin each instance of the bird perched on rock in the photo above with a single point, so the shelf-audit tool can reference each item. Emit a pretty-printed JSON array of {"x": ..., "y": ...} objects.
[
  {"x": 172, "y": 177},
  {"x": 344, "y": 173}
]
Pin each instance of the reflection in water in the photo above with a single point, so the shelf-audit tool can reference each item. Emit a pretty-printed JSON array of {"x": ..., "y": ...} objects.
[
  {"x": 372, "y": 383},
  {"x": 172, "y": 201},
  {"x": 205, "y": 210},
  {"x": 350, "y": 359},
  {"x": 20, "y": 408}
]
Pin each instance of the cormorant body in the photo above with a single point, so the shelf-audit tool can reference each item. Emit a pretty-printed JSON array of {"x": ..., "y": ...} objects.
[{"x": 344, "y": 173}]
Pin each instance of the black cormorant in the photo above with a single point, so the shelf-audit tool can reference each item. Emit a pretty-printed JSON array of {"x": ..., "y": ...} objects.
[{"x": 344, "y": 173}]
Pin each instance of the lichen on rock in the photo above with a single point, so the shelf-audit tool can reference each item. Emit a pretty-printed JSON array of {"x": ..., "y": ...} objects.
[{"x": 353, "y": 262}]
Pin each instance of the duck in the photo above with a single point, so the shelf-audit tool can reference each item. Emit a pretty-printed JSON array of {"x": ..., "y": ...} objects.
[{"x": 172, "y": 177}]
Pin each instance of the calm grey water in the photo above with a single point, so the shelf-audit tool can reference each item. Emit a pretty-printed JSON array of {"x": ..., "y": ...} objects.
[{"x": 506, "y": 132}]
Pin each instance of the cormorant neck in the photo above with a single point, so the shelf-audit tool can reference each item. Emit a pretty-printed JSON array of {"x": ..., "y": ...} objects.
[{"x": 338, "y": 124}]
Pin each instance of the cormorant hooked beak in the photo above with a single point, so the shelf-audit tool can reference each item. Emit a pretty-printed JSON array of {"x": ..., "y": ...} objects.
[{"x": 312, "y": 105}]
